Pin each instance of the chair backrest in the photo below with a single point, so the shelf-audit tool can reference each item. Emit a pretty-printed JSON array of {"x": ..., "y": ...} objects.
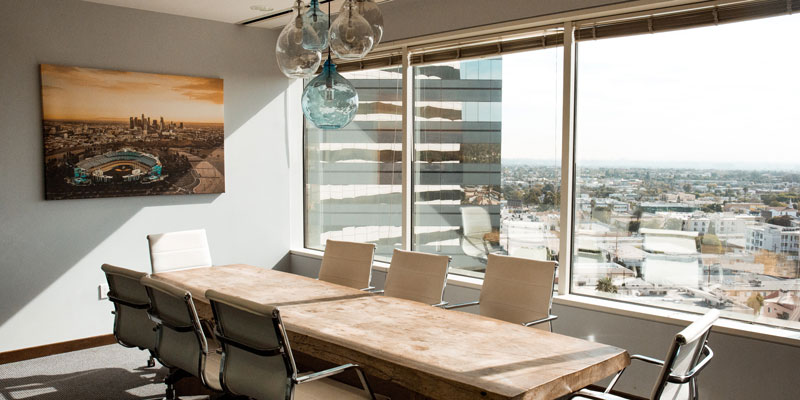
[
  {"x": 517, "y": 290},
  {"x": 179, "y": 250},
  {"x": 132, "y": 326},
  {"x": 347, "y": 263},
  {"x": 682, "y": 357},
  {"x": 257, "y": 361},
  {"x": 475, "y": 221},
  {"x": 417, "y": 276},
  {"x": 180, "y": 342}
]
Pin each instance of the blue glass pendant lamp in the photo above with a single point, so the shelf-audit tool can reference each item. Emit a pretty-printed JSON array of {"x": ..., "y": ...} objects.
[
  {"x": 315, "y": 28},
  {"x": 329, "y": 101}
]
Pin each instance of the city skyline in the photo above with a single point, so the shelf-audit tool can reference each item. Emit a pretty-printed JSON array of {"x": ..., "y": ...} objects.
[{"x": 87, "y": 94}]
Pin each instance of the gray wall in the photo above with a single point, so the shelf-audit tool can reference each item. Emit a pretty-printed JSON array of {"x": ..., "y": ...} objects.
[
  {"x": 51, "y": 251},
  {"x": 742, "y": 368},
  {"x": 405, "y": 19}
]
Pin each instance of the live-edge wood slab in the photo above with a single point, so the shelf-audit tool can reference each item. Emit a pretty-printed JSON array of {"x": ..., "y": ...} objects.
[
  {"x": 448, "y": 354},
  {"x": 438, "y": 353}
]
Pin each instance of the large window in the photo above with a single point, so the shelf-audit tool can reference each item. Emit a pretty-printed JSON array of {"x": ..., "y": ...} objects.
[
  {"x": 486, "y": 165},
  {"x": 688, "y": 174},
  {"x": 353, "y": 177},
  {"x": 686, "y": 178}
]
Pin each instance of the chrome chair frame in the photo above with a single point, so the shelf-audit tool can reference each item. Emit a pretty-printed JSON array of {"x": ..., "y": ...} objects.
[
  {"x": 550, "y": 317},
  {"x": 285, "y": 350},
  {"x": 707, "y": 353},
  {"x": 118, "y": 302},
  {"x": 666, "y": 375},
  {"x": 177, "y": 374}
]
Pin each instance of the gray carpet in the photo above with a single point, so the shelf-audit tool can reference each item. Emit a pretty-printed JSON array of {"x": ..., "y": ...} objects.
[{"x": 107, "y": 372}]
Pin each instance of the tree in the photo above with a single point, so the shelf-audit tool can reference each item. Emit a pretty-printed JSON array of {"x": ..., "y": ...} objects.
[
  {"x": 756, "y": 301},
  {"x": 783, "y": 220},
  {"x": 606, "y": 285}
]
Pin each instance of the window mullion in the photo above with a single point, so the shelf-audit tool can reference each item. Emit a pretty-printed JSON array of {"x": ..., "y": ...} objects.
[
  {"x": 407, "y": 148},
  {"x": 567, "y": 162}
]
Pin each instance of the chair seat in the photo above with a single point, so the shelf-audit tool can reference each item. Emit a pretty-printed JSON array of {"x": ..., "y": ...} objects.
[
  {"x": 326, "y": 389},
  {"x": 212, "y": 366},
  {"x": 593, "y": 394}
]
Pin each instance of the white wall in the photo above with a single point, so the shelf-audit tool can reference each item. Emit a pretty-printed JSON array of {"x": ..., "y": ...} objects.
[
  {"x": 51, "y": 251},
  {"x": 742, "y": 368}
]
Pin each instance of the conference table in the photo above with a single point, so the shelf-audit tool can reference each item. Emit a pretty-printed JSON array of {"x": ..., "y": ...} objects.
[{"x": 436, "y": 353}]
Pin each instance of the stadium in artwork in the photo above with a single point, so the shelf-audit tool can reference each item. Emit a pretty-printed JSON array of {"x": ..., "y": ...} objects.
[{"x": 114, "y": 133}]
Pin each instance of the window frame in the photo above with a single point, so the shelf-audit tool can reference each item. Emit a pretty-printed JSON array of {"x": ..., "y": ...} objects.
[{"x": 570, "y": 23}]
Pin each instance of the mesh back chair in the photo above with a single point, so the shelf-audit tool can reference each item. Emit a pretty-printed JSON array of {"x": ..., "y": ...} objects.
[
  {"x": 257, "y": 360},
  {"x": 347, "y": 264},
  {"x": 475, "y": 223},
  {"x": 132, "y": 326},
  {"x": 687, "y": 356},
  {"x": 180, "y": 342},
  {"x": 179, "y": 250},
  {"x": 417, "y": 276},
  {"x": 517, "y": 290}
]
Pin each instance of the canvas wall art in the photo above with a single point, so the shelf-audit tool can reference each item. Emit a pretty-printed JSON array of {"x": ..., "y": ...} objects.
[{"x": 115, "y": 133}]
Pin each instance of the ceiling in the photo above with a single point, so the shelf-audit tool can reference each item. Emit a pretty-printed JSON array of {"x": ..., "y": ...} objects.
[{"x": 231, "y": 11}]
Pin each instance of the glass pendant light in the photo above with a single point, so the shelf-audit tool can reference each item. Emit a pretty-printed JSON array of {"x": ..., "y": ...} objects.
[
  {"x": 315, "y": 28},
  {"x": 351, "y": 35},
  {"x": 294, "y": 60},
  {"x": 330, "y": 101},
  {"x": 370, "y": 11}
]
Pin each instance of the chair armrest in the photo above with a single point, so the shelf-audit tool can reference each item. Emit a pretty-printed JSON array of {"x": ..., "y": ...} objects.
[
  {"x": 368, "y": 289},
  {"x": 324, "y": 374},
  {"x": 696, "y": 370},
  {"x": 376, "y": 291},
  {"x": 649, "y": 360},
  {"x": 442, "y": 304},
  {"x": 593, "y": 395},
  {"x": 539, "y": 321},
  {"x": 461, "y": 305},
  {"x": 336, "y": 370}
]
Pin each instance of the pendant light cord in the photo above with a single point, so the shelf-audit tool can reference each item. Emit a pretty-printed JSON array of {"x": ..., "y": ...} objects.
[{"x": 329, "y": 29}]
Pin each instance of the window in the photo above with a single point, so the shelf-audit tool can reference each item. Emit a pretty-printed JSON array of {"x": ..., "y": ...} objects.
[
  {"x": 353, "y": 176},
  {"x": 686, "y": 182},
  {"x": 686, "y": 159},
  {"x": 486, "y": 164}
]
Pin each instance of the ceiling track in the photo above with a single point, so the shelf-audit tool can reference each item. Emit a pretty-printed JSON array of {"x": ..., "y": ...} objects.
[{"x": 274, "y": 15}]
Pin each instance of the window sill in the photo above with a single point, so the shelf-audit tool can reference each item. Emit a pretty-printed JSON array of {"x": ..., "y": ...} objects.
[{"x": 643, "y": 312}]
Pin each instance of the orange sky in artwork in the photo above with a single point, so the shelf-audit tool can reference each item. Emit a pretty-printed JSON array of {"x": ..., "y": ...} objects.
[{"x": 74, "y": 93}]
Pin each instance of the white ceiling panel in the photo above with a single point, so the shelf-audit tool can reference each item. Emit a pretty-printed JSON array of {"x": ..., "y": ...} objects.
[{"x": 231, "y": 11}]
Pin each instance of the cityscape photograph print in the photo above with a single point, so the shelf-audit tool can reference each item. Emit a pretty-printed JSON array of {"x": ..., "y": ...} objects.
[{"x": 117, "y": 134}]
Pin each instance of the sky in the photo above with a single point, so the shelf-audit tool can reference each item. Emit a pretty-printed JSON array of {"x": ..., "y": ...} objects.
[
  {"x": 74, "y": 93},
  {"x": 723, "y": 96}
]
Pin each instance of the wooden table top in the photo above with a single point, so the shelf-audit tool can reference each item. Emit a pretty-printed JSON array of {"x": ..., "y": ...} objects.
[
  {"x": 438, "y": 353},
  {"x": 261, "y": 285}
]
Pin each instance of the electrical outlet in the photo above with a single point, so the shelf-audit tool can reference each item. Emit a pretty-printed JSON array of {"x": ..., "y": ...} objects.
[{"x": 102, "y": 291}]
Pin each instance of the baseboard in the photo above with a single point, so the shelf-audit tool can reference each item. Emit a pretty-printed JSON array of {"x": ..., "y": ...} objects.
[{"x": 55, "y": 348}]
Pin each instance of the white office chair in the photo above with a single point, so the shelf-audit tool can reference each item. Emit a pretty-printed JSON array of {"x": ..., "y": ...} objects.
[
  {"x": 257, "y": 360},
  {"x": 132, "y": 326},
  {"x": 517, "y": 290},
  {"x": 417, "y": 276},
  {"x": 678, "y": 376},
  {"x": 180, "y": 342},
  {"x": 347, "y": 264},
  {"x": 475, "y": 223},
  {"x": 179, "y": 250}
]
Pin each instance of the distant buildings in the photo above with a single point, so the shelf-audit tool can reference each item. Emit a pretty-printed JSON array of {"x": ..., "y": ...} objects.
[{"x": 774, "y": 238}]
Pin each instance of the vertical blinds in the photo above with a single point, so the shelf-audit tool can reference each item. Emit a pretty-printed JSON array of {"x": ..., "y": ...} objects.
[{"x": 702, "y": 15}]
